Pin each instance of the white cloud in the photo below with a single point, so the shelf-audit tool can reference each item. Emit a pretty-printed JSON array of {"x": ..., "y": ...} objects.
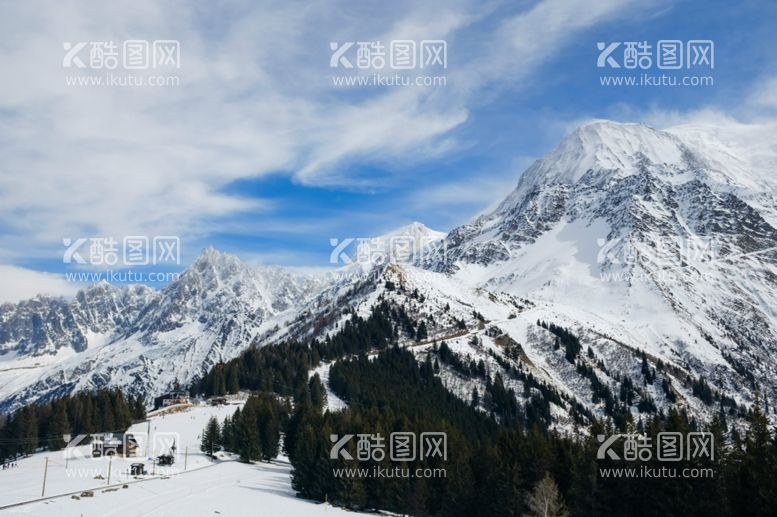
[
  {"x": 522, "y": 43},
  {"x": 460, "y": 198},
  {"x": 20, "y": 284},
  {"x": 255, "y": 99},
  {"x": 765, "y": 94}
]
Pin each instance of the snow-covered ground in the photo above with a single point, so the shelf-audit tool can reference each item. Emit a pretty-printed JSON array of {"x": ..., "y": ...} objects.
[
  {"x": 194, "y": 486},
  {"x": 333, "y": 402}
]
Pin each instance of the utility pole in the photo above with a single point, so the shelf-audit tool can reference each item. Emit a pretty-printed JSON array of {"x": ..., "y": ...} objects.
[
  {"x": 45, "y": 473},
  {"x": 186, "y": 458},
  {"x": 110, "y": 463},
  {"x": 148, "y": 436}
]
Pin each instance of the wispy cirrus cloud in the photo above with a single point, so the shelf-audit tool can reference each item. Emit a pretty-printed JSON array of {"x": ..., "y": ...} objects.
[
  {"x": 21, "y": 284},
  {"x": 255, "y": 99},
  {"x": 764, "y": 95}
]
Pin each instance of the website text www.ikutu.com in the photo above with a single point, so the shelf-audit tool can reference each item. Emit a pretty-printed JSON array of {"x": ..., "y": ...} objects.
[
  {"x": 112, "y": 259},
  {"x": 379, "y": 472},
  {"x": 111, "y": 79},
  {"x": 656, "y": 63},
  {"x": 401, "y": 448},
  {"x": 128, "y": 63},
  {"x": 645, "y": 79},
  {"x": 634, "y": 455},
  {"x": 377, "y": 79},
  {"x": 121, "y": 276},
  {"x": 389, "y": 63},
  {"x": 646, "y": 472}
]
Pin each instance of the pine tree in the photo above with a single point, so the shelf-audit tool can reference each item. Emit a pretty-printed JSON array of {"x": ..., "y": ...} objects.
[
  {"x": 228, "y": 435},
  {"x": 233, "y": 384},
  {"x": 211, "y": 438},
  {"x": 218, "y": 384},
  {"x": 122, "y": 416},
  {"x": 269, "y": 429},
  {"x": 317, "y": 391},
  {"x": 249, "y": 443},
  {"x": 58, "y": 426},
  {"x": 421, "y": 333},
  {"x": 138, "y": 408},
  {"x": 28, "y": 431},
  {"x": 755, "y": 465},
  {"x": 105, "y": 414}
]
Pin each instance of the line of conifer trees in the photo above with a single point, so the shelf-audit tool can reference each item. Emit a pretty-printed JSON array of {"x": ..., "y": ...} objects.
[
  {"x": 253, "y": 432},
  {"x": 39, "y": 426},
  {"x": 284, "y": 368},
  {"x": 497, "y": 469},
  {"x": 503, "y": 461}
]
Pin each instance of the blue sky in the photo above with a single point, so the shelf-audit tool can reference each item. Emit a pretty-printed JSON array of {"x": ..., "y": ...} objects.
[{"x": 258, "y": 153}]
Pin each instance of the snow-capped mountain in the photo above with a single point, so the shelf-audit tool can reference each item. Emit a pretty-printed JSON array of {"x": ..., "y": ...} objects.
[
  {"x": 146, "y": 341},
  {"x": 218, "y": 288},
  {"x": 656, "y": 249},
  {"x": 139, "y": 339},
  {"x": 402, "y": 245},
  {"x": 663, "y": 243},
  {"x": 44, "y": 325}
]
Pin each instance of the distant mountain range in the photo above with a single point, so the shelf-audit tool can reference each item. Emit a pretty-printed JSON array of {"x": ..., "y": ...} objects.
[{"x": 656, "y": 249}]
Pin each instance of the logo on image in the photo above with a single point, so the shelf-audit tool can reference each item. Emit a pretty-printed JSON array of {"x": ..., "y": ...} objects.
[
  {"x": 668, "y": 446},
  {"x": 403, "y": 446}
]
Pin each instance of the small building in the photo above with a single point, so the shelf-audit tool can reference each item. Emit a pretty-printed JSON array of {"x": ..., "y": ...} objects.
[
  {"x": 240, "y": 396},
  {"x": 165, "y": 460},
  {"x": 138, "y": 469},
  {"x": 130, "y": 445},
  {"x": 218, "y": 401},
  {"x": 175, "y": 398},
  {"x": 110, "y": 444}
]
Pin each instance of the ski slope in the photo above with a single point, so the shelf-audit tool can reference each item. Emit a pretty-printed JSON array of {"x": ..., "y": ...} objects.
[
  {"x": 206, "y": 487},
  {"x": 333, "y": 402}
]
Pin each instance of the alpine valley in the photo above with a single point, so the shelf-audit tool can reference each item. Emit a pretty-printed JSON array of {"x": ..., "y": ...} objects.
[{"x": 630, "y": 270}]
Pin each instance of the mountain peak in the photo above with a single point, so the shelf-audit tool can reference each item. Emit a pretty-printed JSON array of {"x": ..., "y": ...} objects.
[
  {"x": 414, "y": 229},
  {"x": 210, "y": 254},
  {"x": 213, "y": 259},
  {"x": 398, "y": 245},
  {"x": 610, "y": 146},
  {"x": 723, "y": 157},
  {"x": 611, "y": 150},
  {"x": 603, "y": 124}
]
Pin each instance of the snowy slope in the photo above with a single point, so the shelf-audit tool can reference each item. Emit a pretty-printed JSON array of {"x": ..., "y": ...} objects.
[
  {"x": 663, "y": 240},
  {"x": 404, "y": 244},
  {"x": 650, "y": 246},
  {"x": 333, "y": 402},
  {"x": 145, "y": 342},
  {"x": 206, "y": 487},
  {"x": 645, "y": 243},
  {"x": 140, "y": 340}
]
